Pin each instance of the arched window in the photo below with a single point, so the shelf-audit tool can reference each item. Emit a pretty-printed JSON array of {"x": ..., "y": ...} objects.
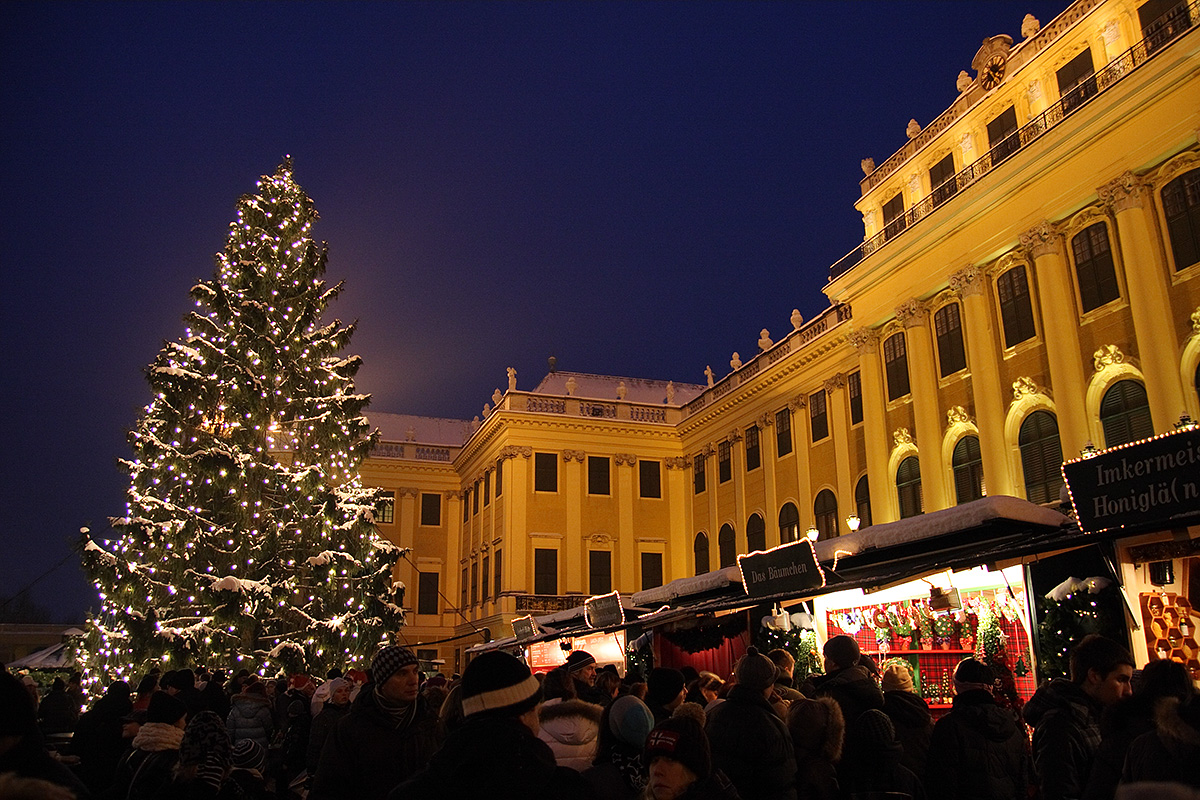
[
  {"x": 1181, "y": 201},
  {"x": 727, "y": 546},
  {"x": 700, "y": 548},
  {"x": 1125, "y": 413},
  {"x": 1041, "y": 457},
  {"x": 789, "y": 523},
  {"x": 908, "y": 487},
  {"x": 968, "y": 470},
  {"x": 1016, "y": 308},
  {"x": 756, "y": 533},
  {"x": 895, "y": 359},
  {"x": 862, "y": 502},
  {"x": 825, "y": 511},
  {"x": 1094, "y": 267}
]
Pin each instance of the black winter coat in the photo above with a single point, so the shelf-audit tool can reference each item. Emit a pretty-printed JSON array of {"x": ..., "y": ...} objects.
[
  {"x": 979, "y": 751},
  {"x": 1171, "y": 752},
  {"x": 494, "y": 757},
  {"x": 914, "y": 725},
  {"x": 751, "y": 745},
  {"x": 98, "y": 742},
  {"x": 1119, "y": 726},
  {"x": 322, "y": 725},
  {"x": 368, "y": 752},
  {"x": 1066, "y": 736},
  {"x": 853, "y": 688}
]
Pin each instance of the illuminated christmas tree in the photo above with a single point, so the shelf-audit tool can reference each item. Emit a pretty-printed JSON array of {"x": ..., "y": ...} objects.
[{"x": 249, "y": 540}]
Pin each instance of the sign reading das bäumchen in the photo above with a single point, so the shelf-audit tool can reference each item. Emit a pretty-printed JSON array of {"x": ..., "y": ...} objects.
[
  {"x": 787, "y": 568},
  {"x": 1155, "y": 480}
]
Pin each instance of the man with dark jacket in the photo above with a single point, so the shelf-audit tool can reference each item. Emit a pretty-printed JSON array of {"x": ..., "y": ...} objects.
[
  {"x": 846, "y": 680},
  {"x": 978, "y": 750},
  {"x": 1065, "y": 715},
  {"x": 98, "y": 741},
  {"x": 388, "y": 734},
  {"x": 750, "y": 743},
  {"x": 582, "y": 666},
  {"x": 213, "y": 696},
  {"x": 785, "y": 667},
  {"x": 495, "y": 753}
]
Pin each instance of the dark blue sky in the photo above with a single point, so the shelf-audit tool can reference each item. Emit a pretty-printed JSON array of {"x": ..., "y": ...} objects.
[{"x": 636, "y": 188}]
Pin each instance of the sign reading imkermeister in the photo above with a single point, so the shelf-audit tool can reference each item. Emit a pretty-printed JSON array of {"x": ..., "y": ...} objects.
[
  {"x": 787, "y": 568},
  {"x": 1151, "y": 481}
]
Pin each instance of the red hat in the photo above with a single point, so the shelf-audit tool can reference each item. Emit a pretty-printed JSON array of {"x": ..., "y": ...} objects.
[{"x": 299, "y": 681}]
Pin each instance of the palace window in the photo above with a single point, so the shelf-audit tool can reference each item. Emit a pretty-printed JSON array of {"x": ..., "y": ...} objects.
[
  {"x": 727, "y": 546},
  {"x": 908, "y": 487},
  {"x": 1076, "y": 81},
  {"x": 789, "y": 523},
  {"x": 862, "y": 502},
  {"x": 826, "y": 513},
  {"x": 1181, "y": 201},
  {"x": 464, "y": 587},
  {"x": 474, "y": 582},
  {"x": 941, "y": 180},
  {"x": 854, "y": 389},
  {"x": 1016, "y": 309},
  {"x": 700, "y": 550},
  {"x": 724, "y": 461},
  {"x": 1041, "y": 457},
  {"x": 484, "y": 585},
  {"x": 699, "y": 481},
  {"x": 967, "y": 464},
  {"x": 753, "y": 451},
  {"x": 598, "y": 474},
  {"x": 487, "y": 490},
  {"x": 818, "y": 416},
  {"x": 467, "y": 504},
  {"x": 385, "y": 509},
  {"x": 545, "y": 571},
  {"x": 756, "y": 534},
  {"x": 895, "y": 359},
  {"x": 499, "y": 476},
  {"x": 1125, "y": 413},
  {"x": 496, "y": 575},
  {"x": 427, "y": 593},
  {"x": 1002, "y": 135},
  {"x": 1094, "y": 267},
  {"x": 948, "y": 325},
  {"x": 475, "y": 499},
  {"x": 893, "y": 216},
  {"x": 545, "y": 472},
  {"x": 1162, "y": 21},
  {"x": 783, "y": 432},
  {"x": 599, "y": 572},
  {"x": 431, "y": 508},
  {"x": 652, "y": 570},
  {"x": 649, "y": 479}
]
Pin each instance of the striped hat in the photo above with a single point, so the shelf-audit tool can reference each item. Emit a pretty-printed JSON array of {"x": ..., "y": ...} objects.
[{"x": 497, "y": 684}]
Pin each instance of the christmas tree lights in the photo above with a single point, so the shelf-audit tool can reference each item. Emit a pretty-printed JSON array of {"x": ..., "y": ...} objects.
[{"x": 248, "y": 539}]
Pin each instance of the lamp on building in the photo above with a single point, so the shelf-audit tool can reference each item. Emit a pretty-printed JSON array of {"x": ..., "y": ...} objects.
[
  {"x": 813, "y": 534},
  {"x": 853, "y": 522}
]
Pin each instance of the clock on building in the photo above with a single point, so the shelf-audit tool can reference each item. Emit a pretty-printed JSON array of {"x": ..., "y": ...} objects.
[{"x": 993, "y": 71}]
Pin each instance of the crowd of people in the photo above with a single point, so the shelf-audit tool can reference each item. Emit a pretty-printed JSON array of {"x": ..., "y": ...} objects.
[{"x": 584, "y": 731}]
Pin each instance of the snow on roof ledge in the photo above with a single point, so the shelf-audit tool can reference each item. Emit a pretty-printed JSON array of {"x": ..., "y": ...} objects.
[
  {"x": 939, "y": 523},
  {"x": 687, "y": 586}
]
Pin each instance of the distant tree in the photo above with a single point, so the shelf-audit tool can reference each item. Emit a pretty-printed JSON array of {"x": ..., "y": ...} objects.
[
  {"x": 248, "y": 538},
  {"x": 22, "y": 608}
]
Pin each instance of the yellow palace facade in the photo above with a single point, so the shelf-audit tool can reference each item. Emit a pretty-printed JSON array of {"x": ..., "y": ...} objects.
[{"x": 1028, "y": 286}]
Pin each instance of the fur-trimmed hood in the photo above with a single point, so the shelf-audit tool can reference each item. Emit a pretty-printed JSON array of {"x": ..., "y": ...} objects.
[
  {"x": 570, "y": 721},
  {"x": 1178, "y": 727}
]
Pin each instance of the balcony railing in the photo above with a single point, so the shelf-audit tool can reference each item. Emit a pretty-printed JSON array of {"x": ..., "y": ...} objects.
[
  {"x": 1158, "y": 34},
  {"x": 547, "y": 603}
]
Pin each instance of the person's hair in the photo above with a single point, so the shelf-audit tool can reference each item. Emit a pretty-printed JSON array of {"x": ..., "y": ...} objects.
[
  {"x": 1099, "y": 653},
  {"x": 58, "y": 685},
  {"x": 710, "y": 682},
  {"x": 1166, "y": 678},
  {"x": 257, "y": 687},
  {"x": 558, "y": 684},
  {"x": 638, "y": 689},
  {"x": 434, "y": 695},
  {"x": 607, "y": 682},
  {"x": 148, "y": 684},
  {"x": 782, "y": 658},
  {"x": 818, "y": 727},
  {"x": 450, "y": 716}
]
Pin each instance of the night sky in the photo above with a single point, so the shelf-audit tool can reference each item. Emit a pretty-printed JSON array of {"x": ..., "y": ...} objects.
[{"x": 634, "y": 188}]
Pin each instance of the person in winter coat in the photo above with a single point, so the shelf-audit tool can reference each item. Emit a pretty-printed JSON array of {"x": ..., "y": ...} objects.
[
  {"x": 909, "y": 713},
  {"x": 785, "y": 667},
  {"x": 334, "y": 708},
  {"x": 750, "y": 743},
  {"x": 617, "y": 772},
  {"x": 495, "y": 753},
  {"x": 818, "y": 733},
  {"x": 582, "y": 666},
  {"x": 1065, "y": 715},
  {"x": 213, "y": 697},
  {"x": 665, "y": 690},
  {"x": 22, "y": 753},
  {"x": 1170, "y": 752},
  {"x": 150, "y": 764},
  {"x": 58, "y": 712},
  {"x": 681, "y": 764},
  {"x": 98, "y": 740},
  {"x": 248, "y": 767},
  {"x": 569, "y": 725},
  {"x": 250, "y": 715},
  {"x": 845, "y": 679},
  {"x": 388, "y": 734},
  {"x": 146, "y": 688},
  {"x": 979, "y": 749},
  {"x": 205, "y": 760},
  {"x": 871, "y": 763},
  {"x": 1130, "y": 718}
]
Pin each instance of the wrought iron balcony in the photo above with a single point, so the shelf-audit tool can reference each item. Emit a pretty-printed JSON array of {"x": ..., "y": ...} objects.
[{"x": 1159, "y": 34}]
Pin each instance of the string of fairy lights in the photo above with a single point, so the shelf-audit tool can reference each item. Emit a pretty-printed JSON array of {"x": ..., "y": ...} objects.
[{"x": 248, "y": 538}]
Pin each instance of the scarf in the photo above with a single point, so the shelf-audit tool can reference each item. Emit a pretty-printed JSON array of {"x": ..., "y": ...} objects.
[
  {"x": 401, "y": 714},
  {"x": 629, "y": 764},
  {"x": 157, "y": 736}
]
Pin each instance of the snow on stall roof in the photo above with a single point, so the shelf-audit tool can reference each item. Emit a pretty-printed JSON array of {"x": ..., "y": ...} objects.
[
  {"x": 938, "y": 523},
  {"x": 604, "y": 387},
  {"x": 426, "y": 430},
  {"x": 687, "y": 586}
]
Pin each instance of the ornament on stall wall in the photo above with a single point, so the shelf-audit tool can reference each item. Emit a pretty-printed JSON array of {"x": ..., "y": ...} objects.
[
  {"x": 1021, "y": 669},
  {"x": 943, "y": 626}
]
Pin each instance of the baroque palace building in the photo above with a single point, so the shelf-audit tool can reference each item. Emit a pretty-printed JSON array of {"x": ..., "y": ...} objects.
[{"x": 1028, "y": 286}]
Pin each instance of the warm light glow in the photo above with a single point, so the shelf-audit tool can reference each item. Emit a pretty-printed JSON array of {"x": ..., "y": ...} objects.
[{"x": 853, "y": 522}]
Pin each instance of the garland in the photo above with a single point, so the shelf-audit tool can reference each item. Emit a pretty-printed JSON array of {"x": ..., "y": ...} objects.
[
  {"x": 1063, "y": 623},
  {"x": 696, "y": 640}
]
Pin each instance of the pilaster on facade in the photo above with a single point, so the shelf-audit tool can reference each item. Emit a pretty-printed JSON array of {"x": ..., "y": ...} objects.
[
  {"x": 839, "y": 428},
  {"x": 866, "y": 342},
  {"x": 914, "y": 316}
]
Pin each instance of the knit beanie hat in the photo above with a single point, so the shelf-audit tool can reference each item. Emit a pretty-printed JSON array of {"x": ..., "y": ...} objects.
[
  {"x": 205, "y": 741},
  {"x": 897, "y": 677},
  {"x": 630, "y": 720},
  {"x": 183, "y": 680},
  {"x": 497, "y": 684},
  {"x": 755, "y": 671},
  {"x": 249, "y": 754},
  {"x": 842, "y": 650},
  {"x": 682, "y": 739},
  {"x": 663, "y": 685},
  {"x": 972, "y": 674},
  {"x": 390, "y": 660},
  {"x": 872, "y": 732},
  {"x": 165, "y": 708},
  {"x": 579, "y": 659}
]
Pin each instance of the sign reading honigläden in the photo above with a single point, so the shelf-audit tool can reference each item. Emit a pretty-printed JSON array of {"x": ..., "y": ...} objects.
[
  {"x": 1155, "y": 480},
  {"x": 787, "y": 568}
]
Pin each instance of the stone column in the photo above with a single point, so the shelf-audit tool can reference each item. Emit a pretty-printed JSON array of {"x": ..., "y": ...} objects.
[
  {"x": 766, "y": 449},
  {"x": 923, "y": 382},
  {"x": 406, "y": 515},
  {"x": 517, "y": 491},
  {"x": 1060, "y": 332},
  {"x": 679, "y": 540},
  {"x": 1147, "y": 283},
  {"x": 839, "y": 429},
  {"x": 571, "y": 487},
  {"x": 802, "y": 447},
  {"x": 625, "y": 572},
  {"x": 874, "y": 424},
  {"x": 454, "y": 542},
  {"x": 983, "y": 354}
]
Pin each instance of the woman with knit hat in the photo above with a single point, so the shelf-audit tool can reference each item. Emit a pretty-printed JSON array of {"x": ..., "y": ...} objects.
[
  {"x": 618, "y": 773},
  {"x": 335, "y": 706},
  {"x": 750, "y": 743},
  {"x": 978, "y": 750},
  {"x": 681, "y": 765}
]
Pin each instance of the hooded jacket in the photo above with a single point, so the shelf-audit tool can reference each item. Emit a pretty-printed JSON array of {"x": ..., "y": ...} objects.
[
  {"x": 978, "y": 750},
  {"x": 1066, "y": 736},
  {"x": 1171, "y": 752},
  {"x": 853, "y": 688},
  {"x": 250, "y": 718},
  {"x": 914, "y": 726},
  {"x": 572, "y": 729},
  {"x": 752, "y": 745}
]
